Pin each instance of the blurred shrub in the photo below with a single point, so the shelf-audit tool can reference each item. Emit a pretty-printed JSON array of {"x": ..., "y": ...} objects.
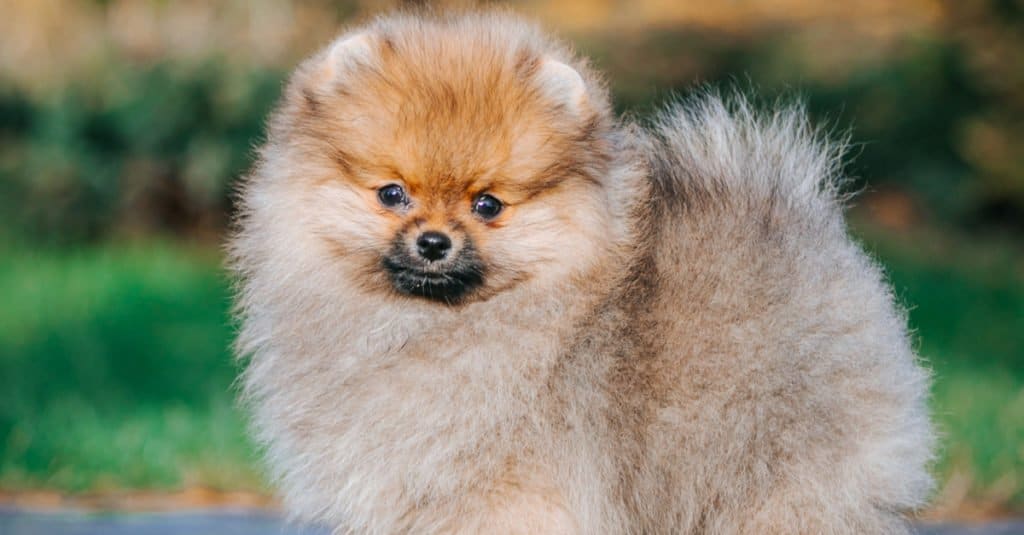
[
  {"x": 149, "y": 134},
  {"x": 937, "y": 114},
  {"x": 148, "y": 149}
]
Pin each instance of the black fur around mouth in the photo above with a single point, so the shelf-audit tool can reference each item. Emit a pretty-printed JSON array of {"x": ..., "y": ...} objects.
[{"x": 449, "y": 284}]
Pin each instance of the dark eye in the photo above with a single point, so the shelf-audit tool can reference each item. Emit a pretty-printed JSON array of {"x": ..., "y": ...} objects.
[
  {"x": 487, "y": 206},
  {"x": 392, "y": 195}
]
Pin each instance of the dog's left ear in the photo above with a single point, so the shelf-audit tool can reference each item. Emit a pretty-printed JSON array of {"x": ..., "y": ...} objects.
[
  {"x": 563, "y": 85},
  {"x": 350, "y": 51}
]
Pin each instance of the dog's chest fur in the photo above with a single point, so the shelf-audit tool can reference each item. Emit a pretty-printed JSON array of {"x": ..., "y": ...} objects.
[{"x": 404, "y": 406}]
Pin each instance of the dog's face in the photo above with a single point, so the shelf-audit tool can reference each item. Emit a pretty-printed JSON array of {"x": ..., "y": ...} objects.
[{"x": 447, "y": 167}]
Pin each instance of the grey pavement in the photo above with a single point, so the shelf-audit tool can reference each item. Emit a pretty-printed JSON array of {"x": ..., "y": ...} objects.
[
  {"x": 198, "y": 522},
  {"x": 260, "y": 522}
]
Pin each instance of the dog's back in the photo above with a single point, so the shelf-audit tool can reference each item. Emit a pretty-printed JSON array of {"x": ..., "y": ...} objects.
[{"x": 791, "y": 400}]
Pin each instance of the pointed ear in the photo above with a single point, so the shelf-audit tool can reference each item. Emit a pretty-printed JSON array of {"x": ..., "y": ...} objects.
[
  {"x": 563, "y": 84},
  {"x": 349, "y": 51}
]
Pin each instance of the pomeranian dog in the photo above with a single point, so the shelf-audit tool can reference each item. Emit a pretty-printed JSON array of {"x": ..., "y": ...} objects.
[{"x": 473, "y": 301}]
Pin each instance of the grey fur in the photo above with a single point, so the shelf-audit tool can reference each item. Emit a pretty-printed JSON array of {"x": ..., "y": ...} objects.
[{"x": 703, "y": 349}]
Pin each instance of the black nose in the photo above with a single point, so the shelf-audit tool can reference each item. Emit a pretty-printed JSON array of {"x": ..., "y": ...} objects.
[{"x": 433, "y": 245}]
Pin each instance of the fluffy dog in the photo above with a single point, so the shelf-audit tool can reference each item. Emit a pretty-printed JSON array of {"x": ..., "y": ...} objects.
[{"x": 472, "y": 301}]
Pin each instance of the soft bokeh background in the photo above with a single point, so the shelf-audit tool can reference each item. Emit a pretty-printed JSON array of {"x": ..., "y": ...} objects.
[{"x": 124, "y": 123}]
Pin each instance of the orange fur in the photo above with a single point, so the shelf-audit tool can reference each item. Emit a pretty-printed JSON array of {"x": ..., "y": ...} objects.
[{"x": 672, "y": 332}]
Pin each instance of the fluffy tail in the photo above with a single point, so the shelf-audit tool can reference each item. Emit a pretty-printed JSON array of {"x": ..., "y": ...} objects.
[
  {"x": 750, "y": 245},
  {"x": 710, "y": 151}
]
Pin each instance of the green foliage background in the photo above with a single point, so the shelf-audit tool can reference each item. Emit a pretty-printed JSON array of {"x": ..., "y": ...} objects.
[
  {"x": 115, "y": 188},
  {"x": 155, "y": 144}
]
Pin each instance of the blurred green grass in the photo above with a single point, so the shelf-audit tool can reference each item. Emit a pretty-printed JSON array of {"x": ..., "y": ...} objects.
[
  {"x": 965, "y": 296},
  {"x": 118, "y": 373},
  {"x": 114, "y": 345}
]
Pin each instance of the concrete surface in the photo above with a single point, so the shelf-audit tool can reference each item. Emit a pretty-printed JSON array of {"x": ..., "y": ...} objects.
[{"x": 259, "y": 522}]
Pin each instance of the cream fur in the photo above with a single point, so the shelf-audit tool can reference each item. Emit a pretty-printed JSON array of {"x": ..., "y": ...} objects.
[{"x": 687, "y": 342}]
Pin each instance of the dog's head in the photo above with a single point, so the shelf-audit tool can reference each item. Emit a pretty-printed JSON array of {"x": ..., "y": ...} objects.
[{"x": 447, "y": 159}]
